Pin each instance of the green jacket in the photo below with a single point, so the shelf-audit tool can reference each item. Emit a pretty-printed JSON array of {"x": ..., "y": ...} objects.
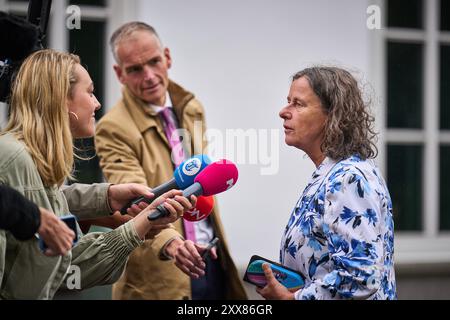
[{"x": 26, "y": 273}]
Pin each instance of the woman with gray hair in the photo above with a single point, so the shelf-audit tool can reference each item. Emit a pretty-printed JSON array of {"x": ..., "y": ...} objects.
[{"x": 340, "y": 235}]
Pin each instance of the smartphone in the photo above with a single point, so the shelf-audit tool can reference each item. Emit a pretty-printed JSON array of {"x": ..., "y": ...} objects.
[
  {"x": 289, "y": 278},
  {"x": 71, "y": 222},
  {"x": 211, "y": 245}
]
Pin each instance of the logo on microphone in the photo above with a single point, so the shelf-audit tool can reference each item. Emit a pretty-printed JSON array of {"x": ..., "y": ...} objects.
[
  {"x": 195, "y": 214},
  {"x": 192, "y": 167}
]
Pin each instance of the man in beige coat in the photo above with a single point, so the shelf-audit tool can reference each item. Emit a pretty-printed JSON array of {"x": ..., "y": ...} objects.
[{"x": 132, "y": 147}]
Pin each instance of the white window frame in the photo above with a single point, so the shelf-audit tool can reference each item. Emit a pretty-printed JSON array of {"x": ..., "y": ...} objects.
[{"x": 430, "y": 245}]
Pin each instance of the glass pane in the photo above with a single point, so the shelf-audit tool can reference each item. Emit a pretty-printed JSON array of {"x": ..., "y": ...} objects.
[
  {"x": 87, "y": 169},
  {"x": 97, "y": 3},
  {"x": 405, "y": 14},
  {"x": 404, "y": 85},
  {"x": 445, "y": 188},
  {"x": 445, "y": 15},
  {"x": 405, "y": 185},
  {"x": 445, "y": 87},
  {"x": 88, "y": 42}
]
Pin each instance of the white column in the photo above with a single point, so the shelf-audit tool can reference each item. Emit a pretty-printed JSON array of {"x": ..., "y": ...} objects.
[
  {"x": 430, "y": 208},
  {"x": 58, "y": 32},
  {"x": 377, "y": 76},
  {"x": 3, "y": 5},
  {"x": 121, "y": 11}
]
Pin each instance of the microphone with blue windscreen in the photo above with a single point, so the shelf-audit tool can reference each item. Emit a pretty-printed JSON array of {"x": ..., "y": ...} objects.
[{"x": 183, "y": 177}]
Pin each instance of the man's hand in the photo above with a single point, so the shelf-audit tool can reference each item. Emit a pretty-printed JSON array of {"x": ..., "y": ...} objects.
[
  {"x": 274, "y": 290},
  {"x": 120, "y": 194},
  {"x": 187, "y": 255},
  {"x": 55, "y": 233}
]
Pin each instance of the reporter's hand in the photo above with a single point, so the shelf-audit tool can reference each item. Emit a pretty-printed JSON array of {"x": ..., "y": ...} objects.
[
  {"x": 175, "y": 204},
  {"x": 55, "y": 233},
  {"x": 174, "y": 199},
  {"x": 120, "y": 194},
  {"x": 113, "y": 221}
]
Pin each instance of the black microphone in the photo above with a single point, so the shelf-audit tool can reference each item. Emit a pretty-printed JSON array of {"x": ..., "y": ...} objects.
[
  {"x": 18, "y": 37},
  {"x": 39, "y": 15},
  {"x": 183, "y": 177},
  {"x": 161, "y": 211},
  {"x": 157, "y": 191}
]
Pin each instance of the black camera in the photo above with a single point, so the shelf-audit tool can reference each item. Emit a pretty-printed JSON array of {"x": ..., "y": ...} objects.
[{"x": 20, "y": 38}]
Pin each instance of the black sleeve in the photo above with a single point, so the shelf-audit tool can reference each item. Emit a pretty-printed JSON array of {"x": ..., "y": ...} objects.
[{"x": 18, "y": 215}]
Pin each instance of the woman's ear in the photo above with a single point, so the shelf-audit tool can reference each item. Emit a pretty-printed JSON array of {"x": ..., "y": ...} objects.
[{"x": 69, "y": 104}]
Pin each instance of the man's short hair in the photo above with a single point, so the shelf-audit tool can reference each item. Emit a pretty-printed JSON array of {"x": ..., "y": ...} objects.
[{"x": 126, "y": 30}]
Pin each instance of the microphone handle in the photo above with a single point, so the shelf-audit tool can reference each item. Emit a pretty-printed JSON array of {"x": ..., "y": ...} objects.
[
  {"x": 158, "y": 191},
  {"x": 161, "y": 211}
]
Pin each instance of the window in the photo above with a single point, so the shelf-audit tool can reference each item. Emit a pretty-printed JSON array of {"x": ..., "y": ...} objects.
[
  {"x": 416, "y": 80},
  {"x": 405, "y": 183},
  {"x": 95, "y": 3},
  {"x": 89, "y": 43},
  {"x": 445, "y": 188},
  {"x": 405, "y": 70},
  {"x": 445, "y": 15},
  {"x": 445, "y": 87},
  {"x": 405, "y": 87},
  {"x": 402, "y": 16}
]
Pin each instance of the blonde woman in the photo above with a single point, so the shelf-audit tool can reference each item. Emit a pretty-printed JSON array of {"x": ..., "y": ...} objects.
[{"x": 53, "y": 102}]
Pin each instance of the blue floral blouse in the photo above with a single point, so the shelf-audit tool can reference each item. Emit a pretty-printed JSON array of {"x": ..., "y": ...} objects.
[{"x": 340, "y": 235}]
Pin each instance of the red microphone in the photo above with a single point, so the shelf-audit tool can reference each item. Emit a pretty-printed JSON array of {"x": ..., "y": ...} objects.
[
  {"x": 216, "y": 178},
  {"x": 202, "y": 210}
]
